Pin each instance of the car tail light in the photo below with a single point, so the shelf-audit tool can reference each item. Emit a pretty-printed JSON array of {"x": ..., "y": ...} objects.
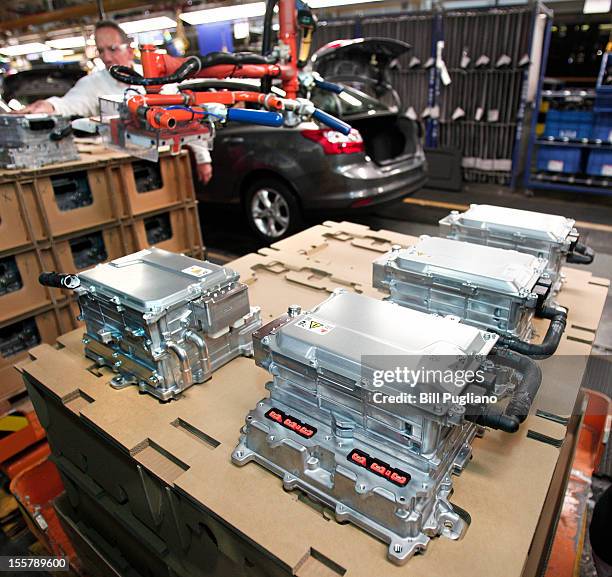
[
  {"x": 362, "y": 202},
  {"x": 335, "y": 143}
]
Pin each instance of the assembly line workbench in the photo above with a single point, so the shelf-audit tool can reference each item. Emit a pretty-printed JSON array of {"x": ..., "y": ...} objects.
[{"x": 152, "y": 485}]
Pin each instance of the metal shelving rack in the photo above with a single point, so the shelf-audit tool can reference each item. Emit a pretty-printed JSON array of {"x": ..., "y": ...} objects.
[
  {"x": 490, "y": 147},
  {"x": 572, "y": 183}
]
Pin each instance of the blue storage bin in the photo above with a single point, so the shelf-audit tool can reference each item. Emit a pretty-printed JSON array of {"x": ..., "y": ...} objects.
[
  {"x": 603, "y": 99},
  {"x": 563, "y": 159},
  {"x": 600, "y": 163},
  {"x": 602, "y": 127},
  {"x": 571, "y": 124}
]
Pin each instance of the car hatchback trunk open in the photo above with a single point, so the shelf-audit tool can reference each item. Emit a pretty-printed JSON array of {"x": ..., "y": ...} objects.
[
  {"x": 387, "y": 138},
  {"x": 362, "y": 66}
]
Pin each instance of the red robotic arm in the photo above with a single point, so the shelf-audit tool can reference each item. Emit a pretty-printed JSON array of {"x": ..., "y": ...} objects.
[
  {"x": 157, "y": 65},
  {"x": 152, "y": 120}
]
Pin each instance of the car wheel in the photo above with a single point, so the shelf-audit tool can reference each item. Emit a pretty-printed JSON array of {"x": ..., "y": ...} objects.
[{"x": 272, "y": 210}]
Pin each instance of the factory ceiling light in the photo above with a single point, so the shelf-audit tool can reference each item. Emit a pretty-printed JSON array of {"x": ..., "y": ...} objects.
[
  {"x": 597, "y": 6},
  {"x": 23, "y": 49},
  {"x": 223, "y": 13},
  {"x": 147, "y": 25},
  {"x": 63, "y": 43},
  {"x": 332, "y": 3}
]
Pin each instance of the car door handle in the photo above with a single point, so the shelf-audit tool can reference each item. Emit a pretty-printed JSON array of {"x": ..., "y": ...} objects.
[{"x": 233, "y": 140}]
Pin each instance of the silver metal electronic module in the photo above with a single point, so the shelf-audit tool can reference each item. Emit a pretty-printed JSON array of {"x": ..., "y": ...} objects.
[
  {"x": 162, "y": 321},
  {"x": 487, "y": 287},
  {"x": 34, "y": 140},
  {"x": 547, "y": 236},
  {"x": 354, "y": 441}
]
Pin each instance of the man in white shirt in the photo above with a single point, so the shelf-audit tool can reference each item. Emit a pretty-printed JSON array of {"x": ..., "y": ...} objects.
[{"x": 113, "y": 46}]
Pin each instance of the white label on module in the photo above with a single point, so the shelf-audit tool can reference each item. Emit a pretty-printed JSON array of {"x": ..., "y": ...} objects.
[{"x": 196, "y": 270}]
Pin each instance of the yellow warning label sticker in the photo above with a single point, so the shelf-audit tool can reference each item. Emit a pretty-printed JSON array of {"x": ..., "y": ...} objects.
[
  {"x": 13, "y": 423},
  {"x": 315, "y": 325}
]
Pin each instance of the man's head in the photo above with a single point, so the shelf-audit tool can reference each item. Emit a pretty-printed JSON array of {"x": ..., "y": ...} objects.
[{"x": 113, "y": 44}]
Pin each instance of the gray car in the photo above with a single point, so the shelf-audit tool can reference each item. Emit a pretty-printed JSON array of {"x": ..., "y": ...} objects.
[{"x": 280, "y": 175}]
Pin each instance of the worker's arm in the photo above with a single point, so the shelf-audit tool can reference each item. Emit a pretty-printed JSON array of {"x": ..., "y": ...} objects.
[
  {"x": 80, "y": 100},
  {"x": 203, "y": 160},
  {"x": 39, "y": 106}
]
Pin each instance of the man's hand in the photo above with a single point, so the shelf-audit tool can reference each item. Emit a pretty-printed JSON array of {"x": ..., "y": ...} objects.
[
  {"x": 38, "y": 106},
  {"x": 204, "y": 172}
]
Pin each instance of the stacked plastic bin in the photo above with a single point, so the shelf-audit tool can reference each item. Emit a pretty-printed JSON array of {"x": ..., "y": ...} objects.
[
  {"x": 565, "y": 126},
  {"x": 600, "y": 160},
  {"x": 570, "y": 146}
]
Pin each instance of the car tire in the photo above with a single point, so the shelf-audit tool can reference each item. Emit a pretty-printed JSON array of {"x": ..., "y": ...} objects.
[{"x": 271, "y": 210}]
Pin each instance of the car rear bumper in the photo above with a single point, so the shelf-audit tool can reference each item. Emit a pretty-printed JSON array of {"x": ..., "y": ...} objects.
[{"x": 359, "y": 186}]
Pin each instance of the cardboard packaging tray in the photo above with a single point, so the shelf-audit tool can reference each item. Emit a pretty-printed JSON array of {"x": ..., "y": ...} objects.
[
  {"x": 135, "y": 451},
  {"x": 64, "y": 199},
  {"x": 22, "y": 292},
  {"x": 176, "y": 229},
  {"x": 148, "y": 187},
  {"x": 21, "y": 333}
]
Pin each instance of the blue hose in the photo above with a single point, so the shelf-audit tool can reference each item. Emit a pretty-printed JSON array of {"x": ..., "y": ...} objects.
[
  {"x": 261, "y": 117},
  {"x": 329, "y": 86},
  {"x": 331, "y": 121}
]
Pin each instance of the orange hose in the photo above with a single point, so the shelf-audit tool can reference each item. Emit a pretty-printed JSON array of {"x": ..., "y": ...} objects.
[
  {"x": 159, "y": 117},
  {"x": 139, "y": 100}
]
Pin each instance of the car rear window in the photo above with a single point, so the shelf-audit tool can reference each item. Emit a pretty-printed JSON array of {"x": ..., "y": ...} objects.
[{"x": 349, "y": 102}]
